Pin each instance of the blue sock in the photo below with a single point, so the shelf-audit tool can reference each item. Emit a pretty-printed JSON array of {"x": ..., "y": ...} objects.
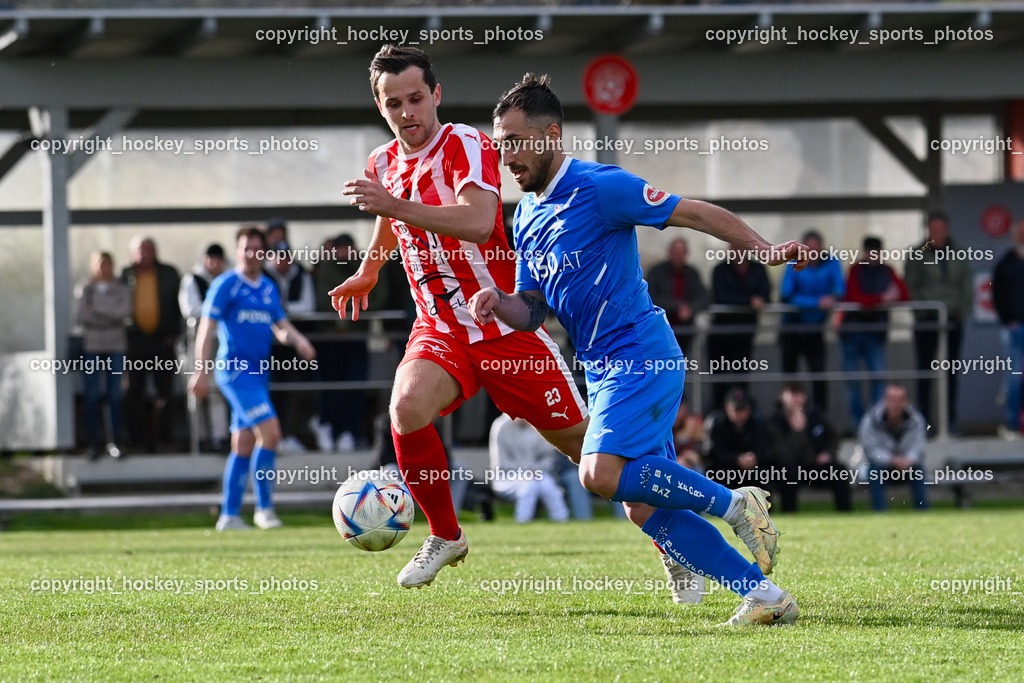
[
  {"x": 236, "y": 477},
  {"x": 664, "y": 483},
  {"x": 695, "y": 543},
  {"x": 263, "y": 462}
]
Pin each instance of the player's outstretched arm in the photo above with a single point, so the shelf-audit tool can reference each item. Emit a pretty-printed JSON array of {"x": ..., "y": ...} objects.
[
  {"x": 357, "y": 288},
  {"x": 524, "y": 311},
  {"x": 727, "y": 226},
  {"x": 286, "y": 333},
  {"x": 470, "y": 219}
]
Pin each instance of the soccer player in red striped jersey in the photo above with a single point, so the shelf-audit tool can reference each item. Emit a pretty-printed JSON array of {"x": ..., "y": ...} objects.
[{"x": 435, "y": 190}]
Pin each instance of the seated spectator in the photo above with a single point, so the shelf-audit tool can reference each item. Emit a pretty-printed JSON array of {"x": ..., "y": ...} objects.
[
  {"x": 688, "y": 434},
  {"x": 892, "y": 435},
  {"x": 213, "y": 412},
  {"x": 676, "y": 287},
  {"x": 737, "y": 443},
  {"x": 863, "y": 333},
  {"x": 523, "y": 468},
  {"x": 805, "y": 447},
  {"x": 103, "y": 306}
]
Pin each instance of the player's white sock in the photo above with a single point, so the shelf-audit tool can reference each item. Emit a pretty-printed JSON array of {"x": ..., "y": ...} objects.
[
  {"x": 735, "y": 511},
  {"x": 767, "y": 592}
]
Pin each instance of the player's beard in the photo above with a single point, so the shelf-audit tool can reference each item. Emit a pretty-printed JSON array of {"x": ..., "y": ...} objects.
[{"x": 538, "y": 179}]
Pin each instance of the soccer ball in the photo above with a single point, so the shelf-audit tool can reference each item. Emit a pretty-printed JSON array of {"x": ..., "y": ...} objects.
[{"x": 373, "y": 510}]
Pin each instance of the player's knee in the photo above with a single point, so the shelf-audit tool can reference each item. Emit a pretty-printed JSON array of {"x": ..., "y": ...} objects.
[
  {"x": 269, "y": 434},
  {"x": 596, "y": 476},
  {"x": 638, "y": 513},
  {"x": 408, "y": 413}
]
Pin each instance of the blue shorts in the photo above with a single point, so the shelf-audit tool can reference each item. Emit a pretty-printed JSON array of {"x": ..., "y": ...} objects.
[
  {"x": 250, "y": 405},
  {"x": 633, "y": 407}
]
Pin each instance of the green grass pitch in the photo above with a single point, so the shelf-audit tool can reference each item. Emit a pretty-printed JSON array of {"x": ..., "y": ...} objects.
[{"x": 873, "y": 604}]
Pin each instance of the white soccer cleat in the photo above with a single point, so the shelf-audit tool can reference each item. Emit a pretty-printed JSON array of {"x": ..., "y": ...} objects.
[
  {"x": 756, "y": 528},
  {"x": 433, "y": 555},
  {"x": 266, "y": 518},
  {"x": 232, "y": 523},
  {"x": 754, "y": 612},
  {"x": 687, "y": 587}
]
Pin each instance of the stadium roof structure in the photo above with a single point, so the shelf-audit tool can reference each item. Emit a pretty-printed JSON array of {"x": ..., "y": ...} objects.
[{"x": 98, "y": 71}]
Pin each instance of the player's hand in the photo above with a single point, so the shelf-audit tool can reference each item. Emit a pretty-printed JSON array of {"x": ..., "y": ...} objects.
[
  {"x": 370, "y": 195},
  {"x": 355, "y": 289},
  {"x": 305, "y": 349},
  {"x": 199, "y": 385},
  {"x": 482, "y": 305},
  {"x": 794, "y": 251}
]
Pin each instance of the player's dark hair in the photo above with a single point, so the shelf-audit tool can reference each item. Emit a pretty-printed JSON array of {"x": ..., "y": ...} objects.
[
  {"x": 534, "y": 97},
  {"x": 394, "y": 59},
  {"x": 812, "y": 234},
  {"x": 250, "y": 230}
]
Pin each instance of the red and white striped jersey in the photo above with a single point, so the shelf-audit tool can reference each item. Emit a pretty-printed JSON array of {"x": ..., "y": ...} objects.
[{"x": 445, "y": 272}]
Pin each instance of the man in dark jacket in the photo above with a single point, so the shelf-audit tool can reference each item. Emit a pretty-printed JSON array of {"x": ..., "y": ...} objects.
[
  {"x": 1008, "y": 297},
  {"x": 154, "y": 329},
  {"x": 676, "y": 287},
  {"x": 804, "y": 446},
  {"x": 739, "y": 281},
  {"x": 934, "y": 276},
  {"x": 738, "y": 444}
]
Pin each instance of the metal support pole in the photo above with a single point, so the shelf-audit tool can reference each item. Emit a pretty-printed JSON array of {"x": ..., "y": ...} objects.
[{"x": 57, "y": 269}]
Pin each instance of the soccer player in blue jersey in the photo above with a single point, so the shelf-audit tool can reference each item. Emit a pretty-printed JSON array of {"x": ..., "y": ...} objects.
[
  {"x": 243, "y": 311},
  {"x": 577, "y": 254}
]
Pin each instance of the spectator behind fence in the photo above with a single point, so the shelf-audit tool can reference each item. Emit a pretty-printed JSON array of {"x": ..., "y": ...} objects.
[
  {"x": 676, "y": 287},
  {"x": 154, "y": 330},
  {"x": 297, "y": 292},
  {"x": 103, "y": 306},
  {"x": 342, "y": 421},
  {"x": 737, "y": 443},
  {"x": 1008, "y": 297},
  {"x": 815, "y": 289},
  {"x": 213, "y": 412},
  {"x": 892, "y": 436},
  {"x": 739, "y": 281},
  {"x": 934, "y": 276},
  {"x": 523, "y": 465},
  {"x": 863, "y": 333},
  {"x": 805, "y": 446}
]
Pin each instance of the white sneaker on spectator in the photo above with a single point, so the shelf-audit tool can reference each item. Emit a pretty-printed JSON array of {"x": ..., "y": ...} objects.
[
  {"x": 323, "y": 434},
  {"x": 290, "y": 443},
  {"x": 346, "y": 442}
]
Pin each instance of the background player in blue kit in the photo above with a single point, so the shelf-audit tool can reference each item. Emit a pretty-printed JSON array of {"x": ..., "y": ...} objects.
[
  {"x": 243, "y": 309},
  {"x": 577, "y": 253}
]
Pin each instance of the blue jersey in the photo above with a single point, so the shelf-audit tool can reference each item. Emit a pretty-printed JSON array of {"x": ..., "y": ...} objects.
[
  {"x": 245, "y": 312},
  {"x": 577, "y": 244}
]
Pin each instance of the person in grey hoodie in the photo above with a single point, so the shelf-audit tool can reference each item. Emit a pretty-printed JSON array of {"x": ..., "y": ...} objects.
[
  {"x": 892, "y": 434},
  {"x": 103, "y": 305}
]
